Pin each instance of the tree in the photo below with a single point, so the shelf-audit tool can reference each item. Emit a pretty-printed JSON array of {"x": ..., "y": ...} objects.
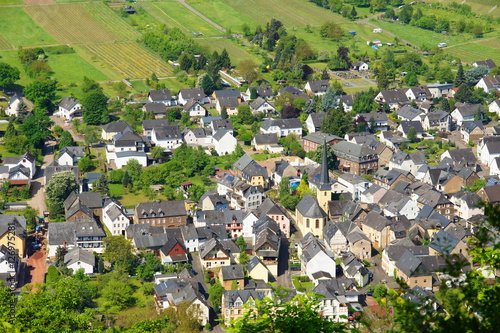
[
  {"x": 66, "y": 140},
  {"x": 60, "y": 253},
  {"x": 31, "y": 214},
  {"x": 186, "y": 61},
  {"x": 37, "y": 128},
  {"x": 149, "y": 266},
  {"x": 325, "y": 75},
  {"x": 240, "y": 241},
  {"x": 336, "y": 122},
  {"x": 277, "y": 315},
  {"x": 215, "y": 292},
  {"x": 90, "y": 85},
  {"x": 26, "y": 56},
  {"x": 58, "y": 189},
  {"x": 411, "y": 79},
  {"x": 329, "y": 100},
  {"x": 289, "y": 111},
  {"x": 41, "y": 93},
  {"x": 116, "y": 293},
  {"x": 95, "y": 109},
  {"x": 248, "y": 70},
  {"x": 85, "y": 164},
  {"x": 158, "y": 153},
  {"x": 91, "y": 136},
  {"x": 101, "y": 185},
  {"x": 460, "y": 77},
  {"x": 412, "y": 134},
  {"x": 133, "y": 169},
  {"x": 118, "y": 252},
  {"x": 8, "y": 74},
  {"x": 225, "y": 61},
  {"x": 382, "y": 79},
  {"x": 473, "y": 75},
  {"x": 223, "y": 113},
  {"x": 126, "y": 180},
  {"x": 208, "y": 85},
  {"x": 245, "y": 114},
  {"x": 463, "y": 94},
  {"x": 10, "y": 132},
  {"x": 195, "y": 192},
  {"x": 331, "y": 30},
  {"x": 304, "y": 51}
]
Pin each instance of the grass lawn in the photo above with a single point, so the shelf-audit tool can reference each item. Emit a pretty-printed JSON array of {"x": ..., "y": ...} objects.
[
  {"x": 264, "y": 157},
  {"x": 482, "y": 49},
  {"x": 11, "y": 2},
  {"x": 116, "y": 190},
  {"x": 19, "y": 29},
  {"x": 302, "y": 286},
  {"x": 478, "y": 6},
  {"x": 236, "y": 52},
  {"x": 4, "y": 152},
  {"x": 71, "y": 68}
]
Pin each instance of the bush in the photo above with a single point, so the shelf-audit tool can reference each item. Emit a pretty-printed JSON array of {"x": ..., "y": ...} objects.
[
  {"x": 304, "y": 279},
  {"x": 52, "y": 275}
]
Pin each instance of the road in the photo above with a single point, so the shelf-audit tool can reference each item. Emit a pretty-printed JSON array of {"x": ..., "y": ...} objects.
[
  {"x": 284, "y": 275},
  {"x": 37, "y": 200},
  {"x": 456, "y": 138}
]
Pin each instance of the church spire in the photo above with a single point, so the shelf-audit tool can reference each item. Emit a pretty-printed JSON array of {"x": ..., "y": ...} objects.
[{"x": 324, "y": 180}]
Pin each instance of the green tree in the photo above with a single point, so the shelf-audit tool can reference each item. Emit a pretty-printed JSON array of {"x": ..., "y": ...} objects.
[
  {"x": 158, "y": 153},
  {"x": 225, "y": 61},
  {"x": 85, "y": 164},
  {"x": 31, "y": 214},
  {"x": 215, "y": 292},
  {"x": 473, "y": 75},
  {"x": 89, "y": 85},
  {"x": 382, "y": 79},
  {"x": 37, "y": 128},
  {"x": 223, "y": 113},
  {"x": 95, "y": 109},
  {"x": 149, "y": 266},
  {"x": 245, "y": 115},
  {"x": 8, "y": 74},
  {"x": 336, "y": 122},
  {"x": 133, "y": 169},
  {"x": 331, "y": 30},
  {"x": 41, "y": 93},
  {"x": 126, "y": 180},
  {"x": 460, "y": 77},
  {"x": 101, "y": 185},
  {"x": 463, "y": 94},
  {"x": 195, "y": 192},
  {"x": 248, "y": 69},
  {"x": 118, "y": 252},
  {"x": 66, "y": 140},
  {"x": 116, "y": 293},
  {"x": 10, "y": 132},
  {"x": 58, "y": 189},
  {"x": 412, "y": 134},
  {"x": 301, "y": 313},
  {"x": 240, "y": 241}
]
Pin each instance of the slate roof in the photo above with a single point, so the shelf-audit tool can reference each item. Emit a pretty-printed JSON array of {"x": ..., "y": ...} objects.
[
  {"x": 196, "y": 93},
  {"x": 218, "y": 135},
  {"x": 159, "y": 209},
  {"x": 377, "y": 116},
  {"x": 408, "y": 112},
  {"x": 437, "y": 115},
  {"x": 467, "y": 110},
  {"x": 433, "y": 198},
  {"x": 149, "y": 124},
  {"x": 488, "y": 63},
  {"x": 264, "y": 91},
  {"x": 189, "y": 104},
  {"x": 128, "y": 139},
  {"x": 231, "y": 296},
  {"x": 406, "y": 125},
  {"x": 174, "y": 237},
  {"x": 257, "y": 103},
  {"x": 492, "y": 193},
  {"x": 68, "y": 103},
  {"x": 309, "y": 208},
  {"x": 116, "y": 127},
  {"x": 347, "y": 99},
  {"x": 281, "y": 123},
  {"x": 410, "y": 265},
  {"x": 319, "y": 85},
  {"x": 212, "y": 231},
  {"x": 443, "y": 242},
  {"x": 160, "y": 95},
  {"x": 352, "y": 151},
  {"x": 493, "y": 147},
  {"x": 58, "y": 233},
  {"x": 268, "y": 207},
  {"x": 222, "y": 124},
  {"x": 72, "y": 151},
  {"x": 270, "y": 138},
  {"x": 78, "y": 254},
  {"x": 199, "y": 132},
  {"x": 150, "y": 241},
  {"x": 176, "y": 291},
  {"x": 233, "y": 272},
  {"x": 376, "y": 221},
  {"x": 227, "y": 93},
  {"x": 18, "y": 159},
  {"x": 228, "y": 102},
  {"x": 394, "y": 96},
  {"x": 18, "y": 221},
  {"x": 77, "y": 208},
  {"x": 168, "y": 133},
  {"x": 319, "y": 137},
  {"x": 466, "y": 155},
  {"x": 469, "y": 126},
  {"x": 156, "y": 108}
]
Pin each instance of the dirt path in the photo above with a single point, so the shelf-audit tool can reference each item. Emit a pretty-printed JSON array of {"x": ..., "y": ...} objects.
[
  {"x": 36, "y": 267},
  {"x": 37, "y": 194}
]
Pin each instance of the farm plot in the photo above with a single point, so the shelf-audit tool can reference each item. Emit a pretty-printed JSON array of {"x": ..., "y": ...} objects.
[
  {"x": 236, "y": 52},
  {"x": 471, "y": 52},
  {"x": 4, "y": 44},
  {"x": 490, "y": 7},
  {"x": 10, "y": 2},
  {"x": 112, "y": 21},
  {"x": 19, "y": 29},
  {"x": 71, "y": 68},
  {"x": 293, "y": 13},
  {"x": 174, "y": 14},
  {"x": 128, "y": 60},
  {"x": 38, "y": 2},
  {"x": 71, "y": 23}
]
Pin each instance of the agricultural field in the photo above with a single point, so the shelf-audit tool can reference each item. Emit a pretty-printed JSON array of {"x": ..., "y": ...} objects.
[
  {"x": 11, "y": 2},
  {"x": 38, "y": 2},
  {"x": 72, "y": 24},
  {"x": 125, "y": 60},
  {"x": 4, "y": 44},
  {"x": 19, "y": 29},
  {"x": 293, "y": 13},
  {"x": 172, "y": 84},
  {"x": 490, "y": 7},
  {"x": 174, "y": 14},
  {"x": 236, "y": 52},
  {"x": 71, "y": 68},
  {"x": 480, "y": 50}
]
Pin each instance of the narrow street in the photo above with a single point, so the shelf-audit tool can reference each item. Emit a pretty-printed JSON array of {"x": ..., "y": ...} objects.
[
  {"x": 284, "y": 275},
  {"x": 37, "y": 200}
]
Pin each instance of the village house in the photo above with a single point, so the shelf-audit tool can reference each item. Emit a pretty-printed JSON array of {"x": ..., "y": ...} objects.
[
  {"x": 395, "y": 98},
  {"x": 168, "y": 137},
  {"x": 78, "y": 258},
  {"x": 314, "y": 121},
  {"x": 378, "y": 120},
  {"x": 257, "y": 270},
  {"x": 170, "y": 214},
  {"x": 188, "y": 94},
  {"x": 110, "y": 130},
  {"x": 214, "y": 254},
  {"x": 437, "y": 120},
  {"x": 158, "y": 109},
  {"x": 407, "y": 113},
  {"x": 162, "y": 96},
  {"x": 314, "y": 140},
  {"x": 224, "y": 142},
  {"x": 277, "y": 213},
  {"x": 236, "y": 302},
  {"x": 355, "y": 159},
  {"x": 488, "y": 149},
  {"x": 149, "y": 124},
  {"x": 221, "y": 124},
  {"x": 194, "y": 108},
  {"x": 197, "y": 137},
  {"x": 494, "y": 107},
  {"x": 83, "y": 233},
  {"x": 261, "y": 105},
  {"x": 26, "y": 164},
  {"x": 466, "y": 204},
  {"x": 311, "y": 218},
  {"x": 405, "y": 126},
  {"x": 377, "y": 228},
  {"x": 317, "y": 87},
  {"x": 69, "y": 108},
  {"x": 262, "y": 141},
  {"x": 439, "y": 90},
  {"x": 465, "y": 112},
  {"x": 360, "y": 66},
  {"x": 488, "y": 63},
  {"x": 264, "y": 92},
  {"x": 490, "y": 194},
  {"x": 317, "y": 261},
  {"x": 126, "y": 147},
  {"x": 13, "y": 233},
  {"x": 115, "y": 217},
  {"x": 251, "y": 172},
  {"x": 282, "y": 127},
  {"x": 15, "y": 100},
  {"x": 296, "y": 92},
  {"x": 472, "y": 130},
  {"x": 347, "y": 102},
  {"x": 70, "y": 155},
  {"x": 232, "y": 277},
  {"x": 407, "y": 161},
  {"x": 421, "y": 93}
]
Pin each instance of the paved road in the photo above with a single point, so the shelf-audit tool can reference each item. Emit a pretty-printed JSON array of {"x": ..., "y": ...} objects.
[
  {"x": 203, "y": 17},
  {"x": 37, "y": 192},
  {"x": 456, "y": 138},
  {"x": 284, "y": 276}
]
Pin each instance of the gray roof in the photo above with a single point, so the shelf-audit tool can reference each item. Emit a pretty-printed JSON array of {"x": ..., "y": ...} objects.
[
  {"x": 159, "y": 208},
  {"x": 152, "y": 123},
  {"x": 406, "y": 125},
  {"x": 264, "y": 91},
  {"x": 469, "y": 126},
  {"x": 257, "y": 103},
  {"x": 466, "y": 155},
  {"x": 212, "y": 231},
  {"x": 227, "y": 93},
  {"x": 18, "y": 221},
  {"x": 128, "y": 139},
  {"x": 268, "y": 207},
  {"x": 158, "y": 108},
  {"x": 176, "y": 291},
  {"x": 488, "y": 63},
  {"x": 467, "y": 110},
  {"x": 408, "y": 263},
  {"x": 219, "y": 134},
  {"x": 253, "y": 263},
  {"x": 317, "y": 118},
  {"x": 18, "y": 159},
  {"x": 270, "y": 138},
  {"x": 88, "y": 227},
  {"x": 73, "y": 151},
  {"x": 437, "y": 115},
  {"x": 233, "y": 272},
  {"x": 229, "y": 102},
  {"x": 319, "y": 85},
  {"x": 408, "y": 112},
  {"x": 281, "y": 123},
  {"x": 222, "y": 124},
  {"x": 319, "y": 137},
  {"x": 196, "y": 93},
  {"x": 351, "y": 151},
  {"x": 116, "y": 127},
  {"x": 309, "y": 208},
  {"x": 60, "y": 233},
  {"x": 68, "y": 103},
  {"x": 160, "y": 95},
  {"x": 394, "y": 96},
  {"x": 150, "y": 241},
  {"x": 443, "y": 242},
  {"x": 294, "y": 91},
  {"x": 168, "y": 133},
  {"x": 79, "y": 207},
  {"x": 231, "y": 296},
  {"x": 376, "y": 221},
  {"x": 78, "y": 254},
  {"x": 189, "y": 104}
]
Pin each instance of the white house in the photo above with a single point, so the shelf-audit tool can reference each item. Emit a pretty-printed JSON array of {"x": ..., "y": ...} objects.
[
  {"x": 198, "y": 136},
  {"x": 489, "y": 151},
  {"x": 466, "y": 204},
  {"x": 70, "y": 155},
  {"x": 194, "y": 108},
  {"x": 314, "y": 121},
  {"x": 14, "y": 102},
  {"x": 489, "y": 83},
  {"x": 78, "y": 258},
  {"x": 126, "y": 147},
  {"x": 421, "y": 93},
  {"x": 69, "y": 108},
  {"x": 408, "y": 113},
  {"x": 168, "y": 137},
  {"x": 27, "y": 161},
  {"x": 438, "y": 119},
  {"x": 407, "y": 161},
  {"x": 360, "y": 66},
  {"x": 395, "y": 98},
  {"x": 282, "y": 127},
  {"x": 162, "y": 96},
  {"x": 261, "y": 105},
  {"x": 353, "y": 184},
  {"x": 495, "y": 167},
  {"x": 197, "y": 94},
  {"x": 317, "y": 87},
  {"x": 249, "y": 221},
  {"x": 465, "y": 112},
  {"x": 114, "y": 217},
  {"x": 494, "y": 107},
  {"x": 438, "y": 90},
  {"x": 405, "y": 126},
  {"x": 224, "y": 142},
  {"x": 316, "y": 258}
]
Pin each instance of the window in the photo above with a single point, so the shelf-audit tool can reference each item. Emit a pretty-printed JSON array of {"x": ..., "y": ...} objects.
[
  {"x": 317, "y": 224},
  {"x": 307, "y": 223}
]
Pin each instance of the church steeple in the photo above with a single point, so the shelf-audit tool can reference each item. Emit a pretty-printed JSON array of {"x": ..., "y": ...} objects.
[{"x": 324, "y": 180}]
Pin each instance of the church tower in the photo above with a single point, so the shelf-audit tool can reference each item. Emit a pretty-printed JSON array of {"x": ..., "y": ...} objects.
[{"x": 325, "y": 187}]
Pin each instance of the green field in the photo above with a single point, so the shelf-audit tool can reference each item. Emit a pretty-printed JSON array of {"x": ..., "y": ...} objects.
[
  {"x": 293, "y": 13},
  {"x": 19, "y": 29},
  {"x": 11, "y": 2},
  {"x": 4, "y": 44},
  {"x": 71, "y": 68},
  {"x": 236, "y": 52},
  {"x": 478, "y": 6},
  {"x": 472, "y": 52},
  {"x": 175, "y": 15}
]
